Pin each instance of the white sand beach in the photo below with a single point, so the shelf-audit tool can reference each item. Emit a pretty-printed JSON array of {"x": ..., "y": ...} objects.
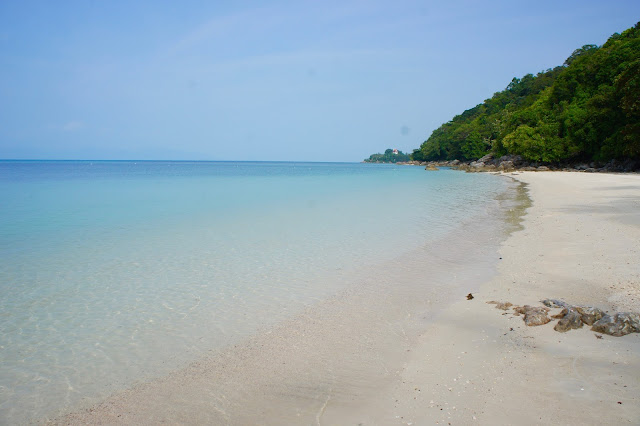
[
  {"x": 580, "y": 243},
  {"x": 471, "y": 364}
]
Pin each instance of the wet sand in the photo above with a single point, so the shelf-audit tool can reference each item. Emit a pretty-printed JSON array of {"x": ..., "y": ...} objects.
[{"x": 406, "y": 347}]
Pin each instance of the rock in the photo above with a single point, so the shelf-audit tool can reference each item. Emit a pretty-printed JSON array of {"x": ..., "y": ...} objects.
[
  {"x": 533, "y": 315},
  {"x": 515, "y": 159},
  {"x": 455, "y": 162},
  {"x": 555, "y": 303},
  {"x": 506, "y": 165},
  {"x": 570, "y": 320},
  {"x": 589, "y": 315},
  {"x": 485, "y": 158},
  {"x": 618, "y": 325},
  {"x": 543, "y": 169},
  {"x": 469, "y": 296}
]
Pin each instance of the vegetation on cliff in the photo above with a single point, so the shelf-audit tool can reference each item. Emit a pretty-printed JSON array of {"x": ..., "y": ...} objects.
[{"x": 585, "y": 110}]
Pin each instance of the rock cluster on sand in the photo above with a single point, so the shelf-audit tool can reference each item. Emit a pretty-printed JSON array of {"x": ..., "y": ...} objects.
[
  {"x": 510, "y": 163},
  {"x": 573, "y": 317},
  {"x": 618, "y": 324}
]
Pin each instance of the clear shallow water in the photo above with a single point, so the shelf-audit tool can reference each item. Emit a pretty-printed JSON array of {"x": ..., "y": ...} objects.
[{"x": 113, "y": 272}]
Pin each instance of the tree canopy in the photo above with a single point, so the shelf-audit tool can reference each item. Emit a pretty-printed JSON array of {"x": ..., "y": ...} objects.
[
  {"x": 388, "y": 157},
  {"x": 586, "y": 109}
]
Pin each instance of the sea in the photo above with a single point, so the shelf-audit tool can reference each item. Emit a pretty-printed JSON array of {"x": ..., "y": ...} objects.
[{"x": 117, "y": 272}]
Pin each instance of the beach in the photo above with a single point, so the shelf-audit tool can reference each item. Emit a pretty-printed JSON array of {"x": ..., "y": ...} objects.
[
  {"x": 580, "y": 243},
  {"x": 462, "y": 361}
]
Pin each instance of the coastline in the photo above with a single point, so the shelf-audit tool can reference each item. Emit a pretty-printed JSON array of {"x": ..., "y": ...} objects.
[
  {"x": 464, "y": 362},
  {"x": 336, "y": 355},
  {"x": 478, "y": 364}
]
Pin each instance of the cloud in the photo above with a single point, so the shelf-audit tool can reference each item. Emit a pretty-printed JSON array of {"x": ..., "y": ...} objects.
[{"x": 73, "y": 126}]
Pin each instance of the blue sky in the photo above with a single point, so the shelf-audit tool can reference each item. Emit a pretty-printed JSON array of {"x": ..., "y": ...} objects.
[{"x": 277, "y": 80}]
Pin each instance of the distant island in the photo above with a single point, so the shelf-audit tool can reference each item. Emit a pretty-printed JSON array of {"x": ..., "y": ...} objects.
[
  {"x": 586, "y": 110},
  {"x": 389, "y": 156}
]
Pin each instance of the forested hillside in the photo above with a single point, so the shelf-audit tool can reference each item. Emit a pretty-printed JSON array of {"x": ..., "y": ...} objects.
[{"x": 587, "y": 109}]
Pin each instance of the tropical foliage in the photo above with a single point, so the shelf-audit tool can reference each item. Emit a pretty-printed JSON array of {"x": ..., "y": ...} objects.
[
  {"x": 586, "y": 109},
  {"x": 388, "y": 157}
]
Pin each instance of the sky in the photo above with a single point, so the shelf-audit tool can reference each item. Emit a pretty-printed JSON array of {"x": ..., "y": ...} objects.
[{"x": 271, "y": 80}]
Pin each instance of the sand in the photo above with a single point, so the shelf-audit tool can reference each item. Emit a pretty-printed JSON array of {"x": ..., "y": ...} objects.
[
  {"x": 581, "y": 243},
  {"x": 460, "y": 361}
]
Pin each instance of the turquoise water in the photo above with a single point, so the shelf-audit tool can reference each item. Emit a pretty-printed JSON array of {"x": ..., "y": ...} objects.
[{"x": 115, "y": 272}]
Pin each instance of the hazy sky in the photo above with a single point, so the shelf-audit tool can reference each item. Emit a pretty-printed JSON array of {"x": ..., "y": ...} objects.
[{"x": 277, "y": 80}]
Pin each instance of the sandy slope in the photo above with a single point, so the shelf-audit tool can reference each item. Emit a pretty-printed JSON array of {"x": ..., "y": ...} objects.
[{"x": 580, "y": 242}]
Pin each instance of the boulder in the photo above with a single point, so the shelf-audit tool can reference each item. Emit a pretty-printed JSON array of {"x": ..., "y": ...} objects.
[
  {"x": 571, "y": 319},
  {"x": 533, "y": 315},
  {"x": 589, "y": 315},
  {"x": 618, "y": 325},
  {"x": 486, "y": 158},
  {"x": 506, "y": 165},
  {"x": 542, "y": 169}
]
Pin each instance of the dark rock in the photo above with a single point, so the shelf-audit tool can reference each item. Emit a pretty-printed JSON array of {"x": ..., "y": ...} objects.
[
  {"x": 515, "y": 159},
  {"x": 619, "y": 324},
  {"x": 571, "y": 319},
  {"x": 589, "y": 315},
  {"x": 469, "y": 296}
]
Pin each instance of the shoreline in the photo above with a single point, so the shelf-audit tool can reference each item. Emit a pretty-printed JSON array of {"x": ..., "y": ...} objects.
[
  {"x": 466, "y": 363},
  {"x": 337, "y": 354},
  {"x": 580, "y": 243},
  {"x": 515, "y": 163}
]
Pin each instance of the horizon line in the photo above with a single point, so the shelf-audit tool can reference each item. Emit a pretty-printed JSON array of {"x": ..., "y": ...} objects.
[{"x": 175, "y": 161}]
